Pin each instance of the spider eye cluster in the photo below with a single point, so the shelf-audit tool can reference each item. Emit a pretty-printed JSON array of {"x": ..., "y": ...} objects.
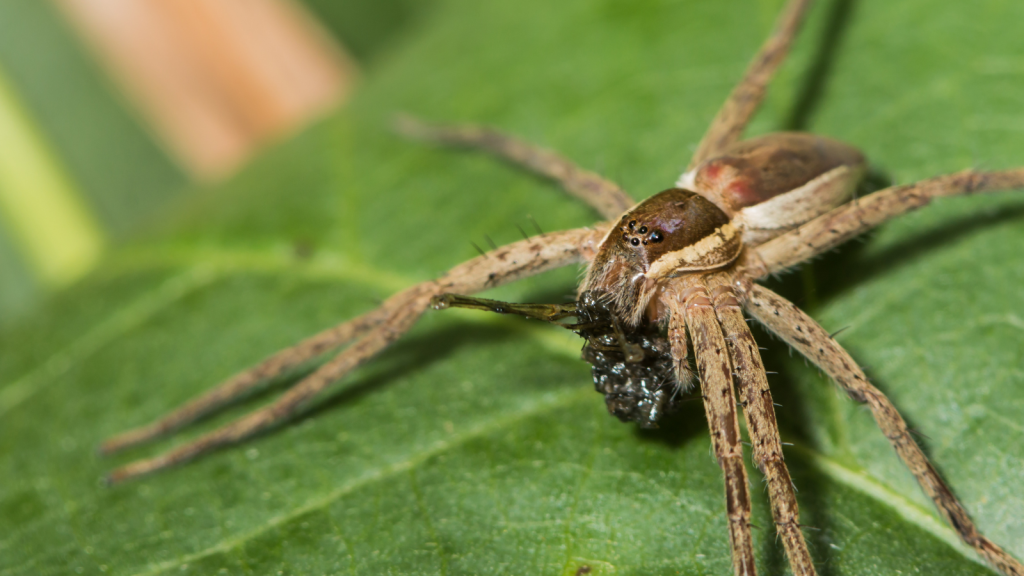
[{"x": 637, "y": 233}]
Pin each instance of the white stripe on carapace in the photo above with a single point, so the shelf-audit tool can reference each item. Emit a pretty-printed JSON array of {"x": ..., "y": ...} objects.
[{"x": 724, "y": 239}]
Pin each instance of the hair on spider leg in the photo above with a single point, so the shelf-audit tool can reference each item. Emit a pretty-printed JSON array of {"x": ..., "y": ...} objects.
[
  {"x": 837, "y": 332},
  {"x": 523, "y": 232},
  {"x": 534, "y": 222},
  {"x": 490, "y": 242},
  {"x": 479, "y": 249},
  {"x": 919, "y": 434}
]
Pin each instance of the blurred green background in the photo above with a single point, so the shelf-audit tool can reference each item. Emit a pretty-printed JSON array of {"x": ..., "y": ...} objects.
[{"x": 96, "y": 145}]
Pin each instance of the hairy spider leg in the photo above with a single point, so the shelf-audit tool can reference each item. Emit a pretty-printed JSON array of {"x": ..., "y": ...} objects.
[
  {"x": 605, "y": 196},
  {"x": 803, "y": 333},
  {"x": 690, "y": 305},
  {"x": 376, "y": 340},
  {"x": 734, "y": 115},
  {"x": 808, "y": 337},
  {"x": 853, "y": 218},
  {"x": 506, "y": 264},
  {"x": 759, "y": 412},
  {"x": 240, "y": 384}
]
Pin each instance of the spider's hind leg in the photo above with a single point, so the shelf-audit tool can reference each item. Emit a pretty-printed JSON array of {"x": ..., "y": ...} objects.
[
  {"x": 732, "y": 118},
  {"x": 604, "y": 196},
  {"x": 801, "y": 332}
]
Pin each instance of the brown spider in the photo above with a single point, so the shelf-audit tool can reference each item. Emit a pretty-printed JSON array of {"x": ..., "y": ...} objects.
[{"x": 675, "y": 270}]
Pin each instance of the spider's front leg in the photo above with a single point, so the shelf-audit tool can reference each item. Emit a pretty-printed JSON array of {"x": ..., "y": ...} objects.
[
  {"x": 690, "y": 306},
  {"x": 277, "y": 364},
  {"x": 377, "y": 330},
  {"x": 759, "y": 413},
  {"x": 802, "y": 332}
]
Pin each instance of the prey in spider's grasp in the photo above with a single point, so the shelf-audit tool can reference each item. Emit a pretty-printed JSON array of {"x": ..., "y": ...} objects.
[
  {"x": 632, "y": 366},
  {"x": 674, "y": 272}
]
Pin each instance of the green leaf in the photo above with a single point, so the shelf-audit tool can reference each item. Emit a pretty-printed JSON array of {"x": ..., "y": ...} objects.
[{"x": 475, "y": 445}]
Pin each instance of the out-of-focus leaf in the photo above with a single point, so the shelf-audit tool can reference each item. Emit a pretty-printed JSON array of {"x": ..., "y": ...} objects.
[
  {"x": 475, "y": 445},
  {"x": 370, "y": 28},
  {"x": 124, "y": 177}
]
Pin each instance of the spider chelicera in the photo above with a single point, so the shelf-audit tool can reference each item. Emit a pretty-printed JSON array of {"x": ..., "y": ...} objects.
[{"x": 674, "y": 272}]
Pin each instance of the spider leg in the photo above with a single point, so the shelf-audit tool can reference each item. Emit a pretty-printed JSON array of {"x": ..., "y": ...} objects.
[
  {"x": 759, "y": 412},
  {"x": 690, "y": 305},
  {"x": 679, "y": 348},
  {"x": 603, "y": 195},
  {"x": 240, "y": 384},
  {"x": 841, "y": 224},
  {"x": 735, "y": 113},
  {"x": 503, "y": 265},
  {"x": 801, "y": 332}
]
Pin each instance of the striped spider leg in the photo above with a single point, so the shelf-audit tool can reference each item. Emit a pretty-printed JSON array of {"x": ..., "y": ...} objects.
[{"x": 801, "y": 332}]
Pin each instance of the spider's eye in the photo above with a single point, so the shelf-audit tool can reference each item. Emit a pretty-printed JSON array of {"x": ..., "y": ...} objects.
[
  {"x": 643, "y": 229},
  {"x": 632, "y": 224},
  {"x": 657, "y": 236},
  {"x": 635, "y": 241}
]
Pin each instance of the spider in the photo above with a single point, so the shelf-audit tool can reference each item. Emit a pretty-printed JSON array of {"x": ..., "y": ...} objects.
[{"x": 669, "y": 274}]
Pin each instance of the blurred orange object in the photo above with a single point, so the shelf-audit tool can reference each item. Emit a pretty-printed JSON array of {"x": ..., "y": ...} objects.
[{"x": 215, "y": 79}]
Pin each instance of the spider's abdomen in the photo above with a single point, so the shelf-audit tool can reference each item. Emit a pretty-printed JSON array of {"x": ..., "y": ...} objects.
[{"x": 758, "y": 169}]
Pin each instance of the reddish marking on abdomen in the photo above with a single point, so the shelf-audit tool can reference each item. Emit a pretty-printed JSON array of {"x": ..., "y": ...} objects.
[
  {"x": 740, "y": 193},
  {"x": 711, "y": 171}
]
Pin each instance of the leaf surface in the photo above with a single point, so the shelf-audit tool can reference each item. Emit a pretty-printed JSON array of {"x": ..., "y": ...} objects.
[{"x": 476, "y": 445}]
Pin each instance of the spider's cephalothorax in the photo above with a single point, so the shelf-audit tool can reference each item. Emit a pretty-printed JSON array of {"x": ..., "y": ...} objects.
[
  {"x": 750, "y": 192},
  {"x": 670, "y": 233}
]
